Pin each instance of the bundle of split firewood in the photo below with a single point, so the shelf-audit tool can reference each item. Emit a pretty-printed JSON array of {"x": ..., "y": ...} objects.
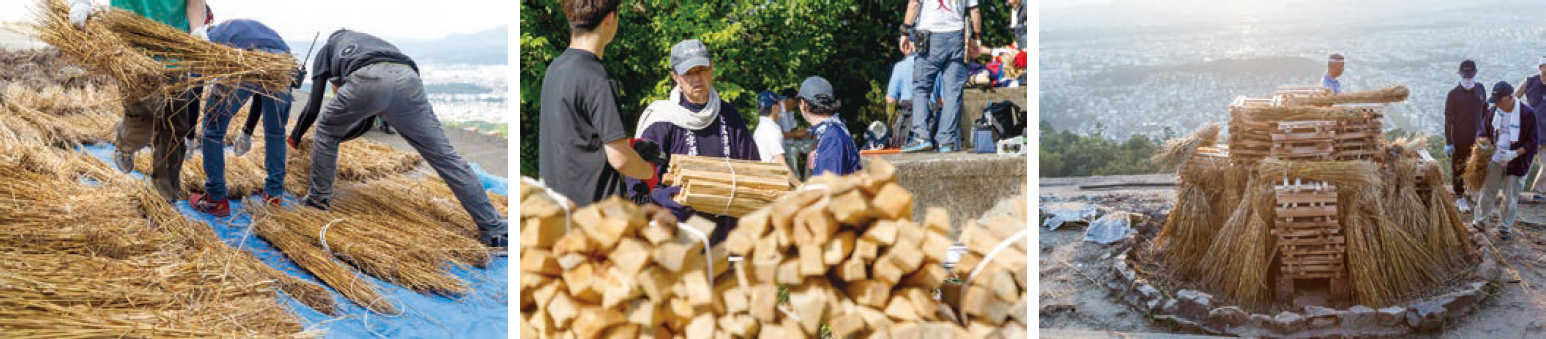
[
  {"x": 994, "y": 300},
  {"x": 726, "y": 186},
  {"x": 851, "y": 259},
  {"x": 608, "y": 270}
]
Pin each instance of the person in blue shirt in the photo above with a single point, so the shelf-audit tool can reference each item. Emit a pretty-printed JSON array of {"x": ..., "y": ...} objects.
[
  {"x": 835, "y": 150},
  {"x": 1332, "y": 79},
  {"x": 273, "y": 107}
]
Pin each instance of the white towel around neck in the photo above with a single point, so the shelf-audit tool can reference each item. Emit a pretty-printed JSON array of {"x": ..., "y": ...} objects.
[{"x": 670, "y": 110}]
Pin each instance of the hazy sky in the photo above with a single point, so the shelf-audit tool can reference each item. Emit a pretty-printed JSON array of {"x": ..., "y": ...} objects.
[{"x": 299, "y": 19}]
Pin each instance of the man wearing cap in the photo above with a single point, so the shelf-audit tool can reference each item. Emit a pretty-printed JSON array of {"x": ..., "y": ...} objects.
[
  {"x": 695, "y": 121},
  {"x": 1512, "y": 125},
  {"x": 943, "y": 41},
  {"x": 835, "y": 152},
  {"x": 1463, "y": 111},
  {"x": 1331, "y": 80}
]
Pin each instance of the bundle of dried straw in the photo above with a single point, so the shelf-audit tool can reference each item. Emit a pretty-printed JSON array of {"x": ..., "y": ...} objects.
[
  {"x": 1397, "y": 93},
  {"x": 128, "y": 47}
]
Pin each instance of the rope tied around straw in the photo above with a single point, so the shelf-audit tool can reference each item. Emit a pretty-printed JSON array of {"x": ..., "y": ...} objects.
[{"x": 322, "y": 236}]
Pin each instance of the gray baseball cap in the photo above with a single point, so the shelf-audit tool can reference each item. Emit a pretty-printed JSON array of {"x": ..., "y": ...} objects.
[
  {"x": 688, "y": 54},
  {"x": 817, "y": 90}
]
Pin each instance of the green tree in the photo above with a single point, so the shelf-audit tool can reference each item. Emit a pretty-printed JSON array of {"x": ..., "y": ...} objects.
[{"x": 757, "y": 45}]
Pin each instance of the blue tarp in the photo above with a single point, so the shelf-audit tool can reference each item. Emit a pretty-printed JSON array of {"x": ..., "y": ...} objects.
[{"x": 484, "y": 313}]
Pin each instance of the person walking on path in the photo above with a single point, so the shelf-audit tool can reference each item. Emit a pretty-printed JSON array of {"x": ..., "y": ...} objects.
[
  {"x": 1512, "y": 125},
  {"x": 1463, "y": 110}
]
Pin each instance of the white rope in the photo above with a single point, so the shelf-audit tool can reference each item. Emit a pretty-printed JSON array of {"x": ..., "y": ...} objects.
[
  {"x": 989, "y": 258},
  {"x": 726, "y": 210},
  {"x": 562, "y": 203},
  {"x": 322, "y": 235},
  {"x": 708, "y": 257}
]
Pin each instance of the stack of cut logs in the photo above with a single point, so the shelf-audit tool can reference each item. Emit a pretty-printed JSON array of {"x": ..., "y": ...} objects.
[
  {"x": 994, "y": 303},
  {"x": 852, "y": 259},
  {"x": 725, "y": 186},
  {"x": 612, "y": 273}
]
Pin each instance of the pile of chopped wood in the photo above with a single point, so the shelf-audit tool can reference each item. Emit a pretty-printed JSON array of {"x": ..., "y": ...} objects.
[
  {"x": 993, "y": 301},
  {"x": 851, "y": 258},
  {"x": 607, "y": 269},
  {"x": 725, "y": 186}
]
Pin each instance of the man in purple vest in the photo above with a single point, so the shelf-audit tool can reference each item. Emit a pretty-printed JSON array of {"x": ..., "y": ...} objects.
[
  {"x": 1512, "y": 126},
  {"x": 1533, "y": 92}
]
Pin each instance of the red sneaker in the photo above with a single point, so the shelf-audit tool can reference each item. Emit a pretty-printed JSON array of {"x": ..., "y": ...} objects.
[
  {"x": 272, "y": 200},
  {"x": 202, "y": 203}
]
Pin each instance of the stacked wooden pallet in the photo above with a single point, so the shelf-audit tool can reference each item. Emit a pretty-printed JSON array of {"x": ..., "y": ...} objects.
[
  {"x": 853, "y": 261},
  {"x": 1249, "y": 140},
  {"x": 608, "y": 270},
  {"x": 993, "y": 301},
  {"x": 1260, "y": 128},
  {"x": 726, "y": 186},
  {"x": 1309, "y": 236}
]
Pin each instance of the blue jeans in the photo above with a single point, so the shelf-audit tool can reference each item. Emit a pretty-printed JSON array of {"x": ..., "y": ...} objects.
[
  {"x": 225, "y": 101},
  {"x": 942, "y": 60}
]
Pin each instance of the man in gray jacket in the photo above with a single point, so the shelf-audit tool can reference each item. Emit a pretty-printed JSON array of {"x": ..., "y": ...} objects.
[{"x": 374, "y": 79}]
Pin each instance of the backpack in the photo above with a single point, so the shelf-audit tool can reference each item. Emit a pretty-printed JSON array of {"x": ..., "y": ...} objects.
[{"x": 1005, "y": 118}]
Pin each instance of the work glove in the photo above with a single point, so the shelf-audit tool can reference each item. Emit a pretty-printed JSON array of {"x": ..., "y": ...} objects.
[
  {"x": 202, "y": 33},
  {"x": 650, "y": 151},
  {"x": 300, "y": 77},
  {"x": 243, "y": 143},
  {"x": 1449, "y": 150},
  {"x": 1503, "y": 156},
  {"x": 80, "y": 11},
  {"x": 293, "y": 141}
]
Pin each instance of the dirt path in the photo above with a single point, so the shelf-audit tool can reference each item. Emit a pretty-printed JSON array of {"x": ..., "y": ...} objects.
[{"x": 1073, "y": 271}]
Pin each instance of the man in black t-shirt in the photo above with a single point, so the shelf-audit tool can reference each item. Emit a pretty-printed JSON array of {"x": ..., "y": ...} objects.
[
  {"x": 375, "y": 80},
  {"x": 583, "y": 152}
]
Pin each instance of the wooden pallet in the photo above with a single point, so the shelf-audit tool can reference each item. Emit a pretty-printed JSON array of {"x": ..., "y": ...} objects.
[{"x": 1309, "y": 237}]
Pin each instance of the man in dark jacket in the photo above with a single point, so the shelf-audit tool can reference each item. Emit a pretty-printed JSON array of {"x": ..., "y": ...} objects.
[
  {"x": 374, "y": 79},
  {"x": 1463, "y": 110},
  {"x": 1512, "y": 126}
]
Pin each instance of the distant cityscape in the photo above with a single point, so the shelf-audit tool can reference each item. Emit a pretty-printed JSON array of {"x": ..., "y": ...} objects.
[{"x": 1100, "y": 72}]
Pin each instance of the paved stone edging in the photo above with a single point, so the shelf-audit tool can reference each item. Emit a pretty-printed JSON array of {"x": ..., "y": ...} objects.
[{"x": 1198, "y": 310}]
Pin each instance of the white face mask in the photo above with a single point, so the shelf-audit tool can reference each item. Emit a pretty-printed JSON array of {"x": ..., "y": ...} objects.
[{"x": 1468, "y": 82}]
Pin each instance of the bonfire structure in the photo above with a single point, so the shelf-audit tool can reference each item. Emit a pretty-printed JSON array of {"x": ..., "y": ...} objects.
[{"x": 1306, "y": 204}]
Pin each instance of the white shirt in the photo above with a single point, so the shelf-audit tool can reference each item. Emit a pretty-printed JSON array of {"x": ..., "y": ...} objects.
[
  {"x": 769, "y": 139},
  {"x": 943, "y": 15}
]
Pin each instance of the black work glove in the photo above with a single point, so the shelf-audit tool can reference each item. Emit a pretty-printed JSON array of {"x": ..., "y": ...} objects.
[
  {"x": 300, "y": 76},
  {"x": 649, "y": 150}
]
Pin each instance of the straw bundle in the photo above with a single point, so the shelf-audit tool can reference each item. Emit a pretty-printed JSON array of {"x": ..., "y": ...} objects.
[
  {"x": 1397, "y": 93},
  {"x": 56, "y": 115},
  {"x": 124, "y": 44},
  {"x": 244, "y": 175},
  {"x": 1358, "y": 214},
  {"x": 1240, "y": 256},
  {"x": 373, "y": 248},
  {"x": 159, "y": 295},
  {"x": 423, "y": 199},
  {"x": 98, "y": 47},
  {"x": 1342, "y": 173},
  {"x": 1447, "y": 237},
  {"x": 1178, "y": 150},
  {"x": 300, "y": 250},
  {"x": 45, "y": 67},
  {"x": 1301, "y": 113},
  {"x": 358, "y": 160},
  {"x": 1192, "y": 224},
  {"x": 1476, "y": 166}
]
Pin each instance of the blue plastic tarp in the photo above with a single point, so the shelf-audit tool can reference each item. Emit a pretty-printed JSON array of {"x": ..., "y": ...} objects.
[{"x": 484, "y": 313}]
